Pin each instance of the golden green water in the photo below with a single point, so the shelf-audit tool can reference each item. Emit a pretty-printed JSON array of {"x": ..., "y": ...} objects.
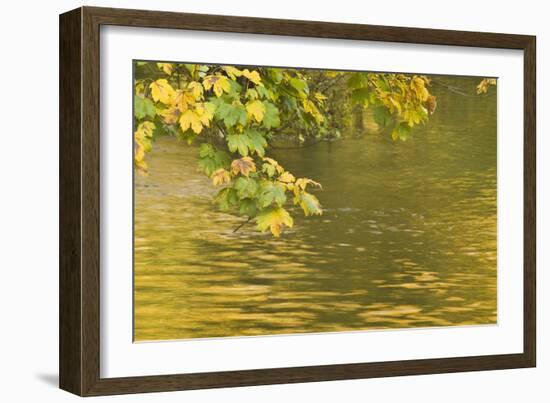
[{"x": 407, "y": 239}]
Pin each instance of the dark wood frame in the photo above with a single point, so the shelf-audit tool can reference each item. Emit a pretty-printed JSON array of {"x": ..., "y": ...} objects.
[{"x": 79, "y": 201}]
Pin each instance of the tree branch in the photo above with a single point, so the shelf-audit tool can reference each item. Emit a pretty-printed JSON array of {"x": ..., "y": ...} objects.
[{"x": 242, "y": 224}]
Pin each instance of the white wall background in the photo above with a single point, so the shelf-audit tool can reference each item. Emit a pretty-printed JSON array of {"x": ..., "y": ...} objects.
[{"x": 29, "y": 200}]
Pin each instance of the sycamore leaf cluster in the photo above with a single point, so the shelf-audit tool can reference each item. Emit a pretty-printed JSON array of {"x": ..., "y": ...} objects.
[
  {"x": 398, "y": 101},
  {"x": 235, "y": 112}
]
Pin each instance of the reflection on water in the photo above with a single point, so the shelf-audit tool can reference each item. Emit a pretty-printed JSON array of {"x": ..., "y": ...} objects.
[{"x": 408, "y": 238}]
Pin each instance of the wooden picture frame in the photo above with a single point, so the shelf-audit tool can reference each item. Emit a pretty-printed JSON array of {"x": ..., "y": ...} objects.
[{"x": 79, "y": 346}]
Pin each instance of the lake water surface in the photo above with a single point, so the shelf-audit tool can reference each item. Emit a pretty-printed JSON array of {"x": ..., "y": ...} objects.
[{"x": 407, "y": 238}]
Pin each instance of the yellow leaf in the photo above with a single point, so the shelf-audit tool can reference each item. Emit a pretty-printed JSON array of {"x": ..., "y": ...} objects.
[
  {"x": 394, "y": 104},
  {"x": 142, "y": 140},
  {"x": 301, "y": 185},
  {"x": 395, "y": 134},
  {"x": 232, "y": 72},
  {"x": 183, "y": 100},
  {"x": 204, "y": 114},
  {"x": 310, "y": 108},
  {"x": 412, "y": 117},
  {"x": 189, "y": 119},
  {"x": 139, "y": 157},
  {"x": 145, "y": 130},
  {"x": 139, "y": 88},
  {"x": 333, "y": 74},
  {"x": 482, "y": 87},
  {"x": 168, "y": 68},
  {"x": 275, "y": 164},
  {"x": 484, "y": 84},
  {"x": 162, "y": 91},
  {"x": 253, "y": 76},
  {"x": 218, "y": 83},
  {"x": 274, "y": 219},
  {"x": 243, "y": 165},
  {"x": 320, "y": 97},
  {"x": 220, "y": 177},
  {"x": 170, "y": 115},
  {"x": 256, "y": 109},
  {"x": 196, "y": 89},
  {"x": 197, "y": 118},
  {"x": 287, "y": 177},
  {"x": 418, "y": 86}
]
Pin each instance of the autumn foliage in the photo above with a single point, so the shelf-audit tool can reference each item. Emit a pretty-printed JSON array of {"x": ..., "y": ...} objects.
[{"x": 235, "y": 112}]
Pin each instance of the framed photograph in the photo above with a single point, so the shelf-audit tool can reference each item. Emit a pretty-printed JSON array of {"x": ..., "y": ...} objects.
[{"x": 248, "y": 201}]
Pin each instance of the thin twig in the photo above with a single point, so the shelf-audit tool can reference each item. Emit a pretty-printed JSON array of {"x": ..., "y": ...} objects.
[
  {"x": 458, "y": 91},
  {"x": 242, "y": 224}
]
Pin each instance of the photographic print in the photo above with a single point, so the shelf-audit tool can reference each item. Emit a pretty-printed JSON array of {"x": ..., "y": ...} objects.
[{"x": 276, "y": 201}]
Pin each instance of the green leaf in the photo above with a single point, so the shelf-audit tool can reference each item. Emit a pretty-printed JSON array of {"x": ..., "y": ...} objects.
[
  {"x": 357, "y": 80},
  {"x": 235, "y": 91},
  {"x": 245, "y": 187},
  {"x": 401, "y": 131},
  {"x": 309, "y": 203},
  {"x": 300, "y": 86},
  {"x": 144, "y": 107},
  {"x": 274, "y": 219},
  {"x": 206, "y": 150},
  {"x": 248, "y": 207},
  {"x": 263, "y": 92},
  {"x": 360, "y": 96},
  {"x": 271, "y": 192},
  {"x": 271, "y": 116},
  {"x": 239, "y": 142},
  {"x": 289, "y": 103},
  {"x": 208, "y": 165},
  {"x": 247, "y": 143},
  {"x": 210, "y": 107},
  {"x": 190, "y": 68},
  {"x": 382, "y": 83},
  {"x": 382, "y": 116},
  {"x": 256, "y": 141},
  {"x": 230, "y": 113},
  {"x": 275, "y": 74},
  {"x": 210, "y": 159},
  {"x": 227, "y": 198},
  {"x": 268, "y": 169}
]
